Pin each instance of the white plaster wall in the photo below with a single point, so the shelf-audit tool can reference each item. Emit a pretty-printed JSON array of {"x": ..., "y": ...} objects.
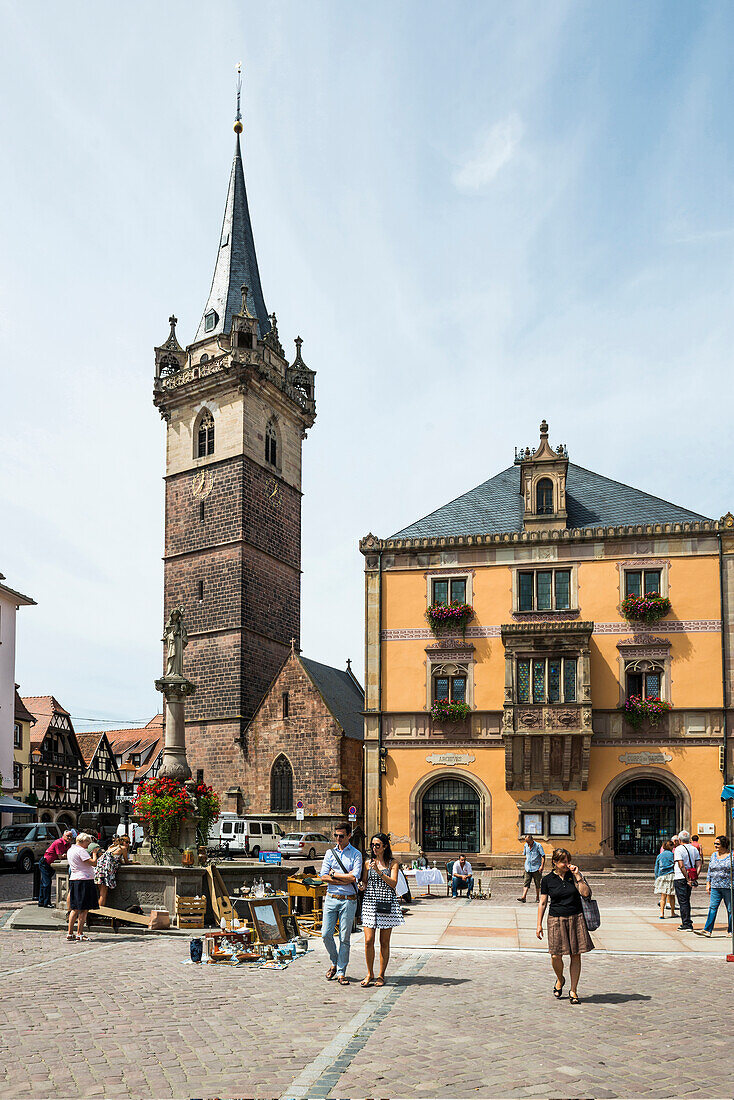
[{"x": 7, "y": 689}]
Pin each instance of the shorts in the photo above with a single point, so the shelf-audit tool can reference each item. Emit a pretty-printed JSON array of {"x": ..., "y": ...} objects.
[{"x": 532, "y": 876}]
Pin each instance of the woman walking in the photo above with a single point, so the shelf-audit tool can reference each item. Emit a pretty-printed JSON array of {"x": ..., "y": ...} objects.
[
  {"x": 718, "y": 884},
  {"x": 105, "y": 875},
  {"x": 567, "y": 931},
  {"x": 380, "y": 908},
  {"x": 664, "y": 867},
  {"x": 82, "y": 891}
]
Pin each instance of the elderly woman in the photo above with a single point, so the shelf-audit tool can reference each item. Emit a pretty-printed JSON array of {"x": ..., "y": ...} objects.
[
  {"x": 567, "y": 931},
  {"x": 105, "y": 876},
  {"x": 664, "y": 866},
  {"x": 82, "y": 891},
  {"x": 718, "y": 884}
]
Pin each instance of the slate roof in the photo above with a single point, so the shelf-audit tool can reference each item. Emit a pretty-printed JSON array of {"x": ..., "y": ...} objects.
[
  {"x": 236, "y": 263},
  {"x": 496, "y": 507},
  {"x": 342, "y": 694}
]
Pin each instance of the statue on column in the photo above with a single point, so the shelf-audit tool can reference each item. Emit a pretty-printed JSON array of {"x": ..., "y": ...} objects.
[{"x": 176, "y": 639}]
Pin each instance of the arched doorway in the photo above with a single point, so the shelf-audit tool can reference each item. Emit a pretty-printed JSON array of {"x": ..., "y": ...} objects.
[
  {"x": 450, "y": 817},
  {"x": 645, "y": 814},
  {"x": 64, "y": 821}
]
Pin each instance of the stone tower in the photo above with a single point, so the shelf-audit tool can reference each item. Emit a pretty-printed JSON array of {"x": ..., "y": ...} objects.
[{"x": 236, "y": 413}]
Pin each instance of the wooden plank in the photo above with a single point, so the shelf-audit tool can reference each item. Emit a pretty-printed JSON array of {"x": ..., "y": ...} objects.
[{"x": 120, "y": 914}]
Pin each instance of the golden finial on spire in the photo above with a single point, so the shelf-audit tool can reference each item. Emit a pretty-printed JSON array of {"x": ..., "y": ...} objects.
[{"x": 238, "y": 117}]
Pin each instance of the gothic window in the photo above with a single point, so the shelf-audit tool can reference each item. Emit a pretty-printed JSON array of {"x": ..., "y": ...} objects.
[
  {"x": 641, "y": 582},
  {"x": 205, "y": 435},
  {"x": 204, "y": 358},
  {"x": 271, "y": 444},
  {"x": 544, "y": 497},
  {"x": 449, "y": 684},
  {"x": 544, "y": 590},
  {"x": 644, "y": 679},
  {"x": 447, "y": 590},
  {"x": 281, "y": 787},
  {"x": 546, "y": 680}
]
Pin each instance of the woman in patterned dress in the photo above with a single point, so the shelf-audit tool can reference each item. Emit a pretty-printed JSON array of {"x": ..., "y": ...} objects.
[
  {"x": 380, "y": 908},
  {"x": 105, "y": 874}
]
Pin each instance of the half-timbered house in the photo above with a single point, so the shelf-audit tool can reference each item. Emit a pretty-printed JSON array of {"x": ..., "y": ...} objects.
[
  {"x": 57, "y": 764},
  {"x": 101, "y": 781}
]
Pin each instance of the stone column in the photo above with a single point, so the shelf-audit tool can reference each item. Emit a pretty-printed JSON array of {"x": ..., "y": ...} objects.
[{"x": 175, "y": 765}]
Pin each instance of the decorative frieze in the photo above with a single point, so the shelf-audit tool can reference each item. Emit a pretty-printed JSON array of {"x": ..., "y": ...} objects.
[{"x": 680, "y": 626}]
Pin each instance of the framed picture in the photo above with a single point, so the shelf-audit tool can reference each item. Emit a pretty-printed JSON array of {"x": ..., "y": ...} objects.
[
  {"x": 290, "y": 925},
  {"x": 267, "y": 920}
]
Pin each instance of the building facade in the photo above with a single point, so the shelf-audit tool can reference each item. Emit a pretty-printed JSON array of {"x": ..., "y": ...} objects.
[
  {"x": 23, "y": 722},
  {"x": 305, "y": 743},
  {"x": 536, "y": 710},
  {"x": 236, "y": 413},
  {"x": 141, "y": 749},
  {"x": 10, "y": 603},
  {"x": 57, "y": 764},
  {"x": 101, "y": 780}
]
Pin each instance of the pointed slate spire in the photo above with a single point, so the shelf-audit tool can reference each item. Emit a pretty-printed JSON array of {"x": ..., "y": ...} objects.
[{"x": 236, "y": 262}]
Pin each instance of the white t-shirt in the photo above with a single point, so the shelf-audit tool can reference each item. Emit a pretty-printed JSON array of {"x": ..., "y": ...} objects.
[
  {"x": 80, "y": 863},
  {"x": 459, "y": 870},
  {"x": 687, "y": 854}
]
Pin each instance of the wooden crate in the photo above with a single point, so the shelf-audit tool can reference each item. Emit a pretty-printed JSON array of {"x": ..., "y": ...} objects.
[{"x": 190, "y": 912}]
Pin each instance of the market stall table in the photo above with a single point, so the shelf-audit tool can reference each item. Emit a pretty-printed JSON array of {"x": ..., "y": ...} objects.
[
  {"x": 308, "y": 886},
  {"x": 428, "y": 877}
]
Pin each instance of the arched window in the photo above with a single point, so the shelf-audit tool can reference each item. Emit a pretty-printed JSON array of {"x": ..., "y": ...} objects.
[
  {"x": 205, "y": 435},
  {"x": 281, "y": 787},
  {"x": 644, "y": 679},
  {"x": 271, "y": 444},
  {"x": 544, "y": 497}
]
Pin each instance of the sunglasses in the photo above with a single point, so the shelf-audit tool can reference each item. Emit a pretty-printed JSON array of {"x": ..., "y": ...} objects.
[
  {"x": 376, "y": 843},
  {"x": 340, "y": 836}
]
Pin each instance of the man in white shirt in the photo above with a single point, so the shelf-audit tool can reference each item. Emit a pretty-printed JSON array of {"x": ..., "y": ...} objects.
[
  {"x": 461, "y": 876},
  {"x": 687, "y": 857},
  {"x": 342, "y": 870}
]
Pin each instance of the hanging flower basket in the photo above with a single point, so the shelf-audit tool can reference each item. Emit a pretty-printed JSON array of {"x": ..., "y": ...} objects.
[
  {"x": 645, "y": 609},
  {"x": 208, "y": 809},
  {"x": 161, "y": 806},
  {"x": 443, "y": 711},
  {"x": 447, "y": 618},
  {"x": 637, "y": 711}
]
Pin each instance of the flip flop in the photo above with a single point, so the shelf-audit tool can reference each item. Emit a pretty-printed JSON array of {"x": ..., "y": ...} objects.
[
  {"x": 367, "y": 982},
  {"x": 343, "y": 980},
  {"x": 331, "y": 974},
  {"x": 379, "y": 981}
]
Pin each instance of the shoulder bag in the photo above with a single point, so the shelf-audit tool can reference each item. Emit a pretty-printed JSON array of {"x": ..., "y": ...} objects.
[
  {"x": 382, "y": 907},
  {"x": 692, "y": 871},
  {"x": 590, "y": 909}
]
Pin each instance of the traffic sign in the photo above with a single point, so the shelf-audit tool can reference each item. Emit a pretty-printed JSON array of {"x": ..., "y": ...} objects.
[
  {"x": 352, "y": 810},
  {"x": 299, "y": 814},
  {"x": 299, "y": 804}
]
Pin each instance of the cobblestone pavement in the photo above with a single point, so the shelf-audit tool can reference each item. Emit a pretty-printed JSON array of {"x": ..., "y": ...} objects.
[
  {"x": 15, "y": 887},
  {"x": 124, "y": 1017}
]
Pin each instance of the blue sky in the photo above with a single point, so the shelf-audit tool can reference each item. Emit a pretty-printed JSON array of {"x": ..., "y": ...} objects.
[{"x": 475, "y": 215}]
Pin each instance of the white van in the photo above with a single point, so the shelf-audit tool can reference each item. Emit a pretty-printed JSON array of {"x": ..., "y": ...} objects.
[{"x": 249, "y": 835}]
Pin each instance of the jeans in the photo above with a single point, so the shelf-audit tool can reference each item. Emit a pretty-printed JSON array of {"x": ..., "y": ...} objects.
[
  {"x": 717, "y": 896},
  {"x": 683, "y": 893},
  {"x": 457, "y": 882},
  {"x": 44, "y": 891},
  {"x": 343, "y": 910}
]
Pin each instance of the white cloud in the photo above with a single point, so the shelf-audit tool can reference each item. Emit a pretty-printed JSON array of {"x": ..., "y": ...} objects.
[{"x": 494, "y": 149}]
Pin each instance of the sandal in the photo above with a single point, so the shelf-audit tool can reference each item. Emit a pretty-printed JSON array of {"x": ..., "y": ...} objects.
[
  {"x": 331, "y": 974},
  {"x": 343, "y": 980},
  {"x": 379, "y": 981},
  {"x": 71, "y": 938},
  {"x": 82, "y": 938},
  {"x": 367, "y": 982},
  {"x": 558, "y": 990},
  {"x": 574, "y": 999}
]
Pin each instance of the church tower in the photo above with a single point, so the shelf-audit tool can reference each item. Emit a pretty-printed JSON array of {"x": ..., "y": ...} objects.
[{"x": 236, "y": 413}]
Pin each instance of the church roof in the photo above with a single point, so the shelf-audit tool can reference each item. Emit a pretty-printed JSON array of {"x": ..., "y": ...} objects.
[
  {"x": 236, "y": 264},
  {"x": 342, "y": 695},
  {"x": 496, "y": 507}
]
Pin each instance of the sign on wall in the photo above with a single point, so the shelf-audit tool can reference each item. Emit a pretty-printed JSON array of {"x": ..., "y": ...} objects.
[{"x": 450, "y": 759}]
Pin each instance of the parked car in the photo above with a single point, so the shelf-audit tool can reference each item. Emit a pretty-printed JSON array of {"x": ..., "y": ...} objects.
[
  {"x": 23, "y": 845},
  {"x": 308, "y": 845},
  {"x": 245, "y": 835}
]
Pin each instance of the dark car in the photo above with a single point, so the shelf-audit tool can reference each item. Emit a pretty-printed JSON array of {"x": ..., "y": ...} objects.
[{"x": 23, "y": 845}]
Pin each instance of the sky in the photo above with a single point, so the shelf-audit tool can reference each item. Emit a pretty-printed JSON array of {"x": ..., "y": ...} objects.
[{"x": 476, "y": 215}]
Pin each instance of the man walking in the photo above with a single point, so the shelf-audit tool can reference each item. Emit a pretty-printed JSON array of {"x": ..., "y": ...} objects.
[
  {"x": 461, "y": 877},
  {"x": 687, "y": 858},
  {"x": 534, "y": 864},
  {"x": 342, "y": 870},
  {"x": 55, "y": 851}
]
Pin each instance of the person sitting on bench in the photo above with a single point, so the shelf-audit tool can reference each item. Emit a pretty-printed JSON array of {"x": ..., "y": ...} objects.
[{"x": 461, "y": 876}]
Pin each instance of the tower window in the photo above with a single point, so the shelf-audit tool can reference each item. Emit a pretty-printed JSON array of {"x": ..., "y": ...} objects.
[
  {"x": 201, "y": 591},
  {"x": 286, "y": 704},
  {"x": 205, "y": 435},
  {"x": 202, "y": 511},
  {"x": 544, "y": 497},
  {"x": 244, "y": 339},
  {"x": 271, "y": 445},
  {"x": 210, "y": 321}
]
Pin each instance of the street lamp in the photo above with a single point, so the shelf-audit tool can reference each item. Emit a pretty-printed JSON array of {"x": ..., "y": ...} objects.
[{"x": 127, "y": 774}]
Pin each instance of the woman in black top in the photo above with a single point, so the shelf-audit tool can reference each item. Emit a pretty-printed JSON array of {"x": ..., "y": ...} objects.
[{"x": 567, "y": 931}]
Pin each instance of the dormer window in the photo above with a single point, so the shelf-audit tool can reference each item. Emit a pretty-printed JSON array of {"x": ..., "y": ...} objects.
[
  {"x": 544, "y": 497},
  {"x": 205, "y": 435},
  {"x": 211, "y": 320}
]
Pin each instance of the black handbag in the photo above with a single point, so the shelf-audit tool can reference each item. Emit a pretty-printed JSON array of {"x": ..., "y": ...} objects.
[{"x": 590, "y": 909}]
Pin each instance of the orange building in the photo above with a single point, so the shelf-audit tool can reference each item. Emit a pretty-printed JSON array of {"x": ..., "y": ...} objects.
[{"x": 548, "y": 653}]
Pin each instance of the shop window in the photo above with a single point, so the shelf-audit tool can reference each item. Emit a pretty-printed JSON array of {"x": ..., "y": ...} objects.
[
  {"x": 644, "y": 679},
  {"x": 547, "y": 824},
  {"x": 641, "y": 582},
  {"x": 544, "y": 590},
  {"x": 544, "y": 497},
  {"x": 205, "y": 435},
  {"x": 446, "y": 590},
  {"x": 546, "y": 680}
]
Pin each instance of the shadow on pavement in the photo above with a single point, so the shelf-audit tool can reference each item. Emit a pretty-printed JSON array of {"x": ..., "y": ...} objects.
[
  {"x": 613, "y": 998},
  {"x": 427, "y": 979}
]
